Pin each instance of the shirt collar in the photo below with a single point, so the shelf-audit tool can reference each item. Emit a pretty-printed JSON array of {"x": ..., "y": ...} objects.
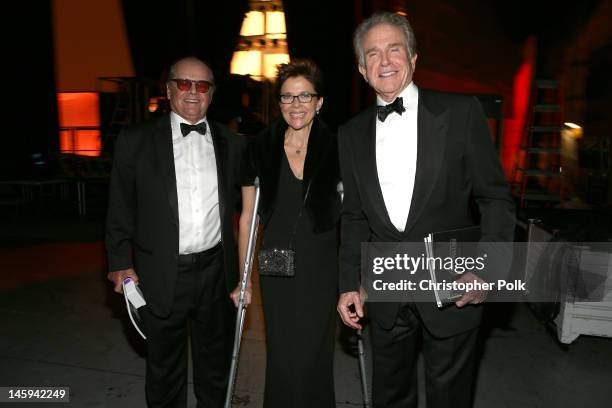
[{"x": 410, "y": 97}]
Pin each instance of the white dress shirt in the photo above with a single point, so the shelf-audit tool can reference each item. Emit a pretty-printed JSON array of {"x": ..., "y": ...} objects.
[
  {"x": 396, "y": 156},
  {"x": 196, "y": 188}
]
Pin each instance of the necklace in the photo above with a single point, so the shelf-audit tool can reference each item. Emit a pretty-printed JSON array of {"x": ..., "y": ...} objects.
[{"x": 297, "y": 149}]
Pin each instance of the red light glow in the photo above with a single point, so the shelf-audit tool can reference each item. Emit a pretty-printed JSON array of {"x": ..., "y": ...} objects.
[{"x": 79, "y": 121}]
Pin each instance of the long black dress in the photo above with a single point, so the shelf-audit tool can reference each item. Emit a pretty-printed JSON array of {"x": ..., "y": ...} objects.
[{"x": 299, "y": 311}]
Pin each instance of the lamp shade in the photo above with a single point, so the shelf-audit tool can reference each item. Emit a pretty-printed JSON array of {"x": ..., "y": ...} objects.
[
  {"x": 275, "y": 22},
  {"x": 270, "y": 63},
  {"x": 246, "y": 63},
  {"x": 253, "y": 24}
]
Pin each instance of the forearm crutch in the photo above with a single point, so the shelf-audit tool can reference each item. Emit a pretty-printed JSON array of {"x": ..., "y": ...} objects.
[
  {"x": 362, "y": 370},
  {"x": 241, "y": 313},
  {"x": 360, "y": 347}
]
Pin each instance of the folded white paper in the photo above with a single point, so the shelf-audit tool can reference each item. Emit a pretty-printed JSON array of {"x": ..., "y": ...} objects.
[{"x": 133, "y": 300}]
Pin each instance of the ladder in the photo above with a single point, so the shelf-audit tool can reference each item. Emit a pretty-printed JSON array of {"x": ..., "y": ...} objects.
[{"x": 539, "y": 171}]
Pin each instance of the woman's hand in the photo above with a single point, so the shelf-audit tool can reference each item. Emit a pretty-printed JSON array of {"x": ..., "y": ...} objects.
[{"x": 235, "y": 295}]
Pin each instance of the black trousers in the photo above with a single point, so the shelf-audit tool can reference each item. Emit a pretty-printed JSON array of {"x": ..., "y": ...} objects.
[
  {"x": 201, "y": 311},
  {"x": 449, "y": 364}
]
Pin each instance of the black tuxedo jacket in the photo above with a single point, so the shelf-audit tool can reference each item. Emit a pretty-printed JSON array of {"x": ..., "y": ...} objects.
[
  {"x": 142, "y": 223},
  {"x": 456, "y": 165},
  {"x": 263, "y": 158}
]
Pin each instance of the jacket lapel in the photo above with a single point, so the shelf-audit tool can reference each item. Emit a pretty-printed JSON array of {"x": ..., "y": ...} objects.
[
  {"x": 316, "y": 147},
  {"x": 220, "y": 146},
  {"x": 432, "y": 128},
  {"x": 365, "y": 152},
  {"x": 165, "y": 154},
  {"x": 275, "y": 158}
]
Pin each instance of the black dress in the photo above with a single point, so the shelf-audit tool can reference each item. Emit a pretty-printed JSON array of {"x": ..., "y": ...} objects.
[{"x": 299, "y": 311}]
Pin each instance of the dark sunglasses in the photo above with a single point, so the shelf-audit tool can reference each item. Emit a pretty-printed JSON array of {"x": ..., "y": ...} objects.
[{"x": 185, "y": 85}]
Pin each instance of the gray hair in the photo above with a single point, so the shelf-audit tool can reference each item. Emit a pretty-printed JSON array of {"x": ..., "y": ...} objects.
[{"x": 388, "y": 18}]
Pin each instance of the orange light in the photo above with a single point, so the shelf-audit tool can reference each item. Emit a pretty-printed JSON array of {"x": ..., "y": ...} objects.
[
  {"x": 275, "y": 22},
  {"x": 79, "y": 121},
  {"x": 153, "y": 104},
  {"x": 263, "y": 42},
  {"x": 270, "y": 64},
  {"x": 246, "y": 63},
  {"x": 253, "y": 24},
  {"x": 78, "y": 109}
]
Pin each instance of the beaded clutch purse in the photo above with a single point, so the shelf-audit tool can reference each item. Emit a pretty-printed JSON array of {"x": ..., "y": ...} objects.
[{"x": 276, "y": 262}]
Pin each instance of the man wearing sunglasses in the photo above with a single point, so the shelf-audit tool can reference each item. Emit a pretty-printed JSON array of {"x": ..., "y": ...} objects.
[{"x": 172, "y": 196}]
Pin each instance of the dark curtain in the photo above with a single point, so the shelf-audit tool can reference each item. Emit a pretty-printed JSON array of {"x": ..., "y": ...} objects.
[
  {"x": 160, "y": 32},
  {"x": 552, "y": 22},
  {"x": 31, "y": 140},
  {"x": 322, "y": 31}
]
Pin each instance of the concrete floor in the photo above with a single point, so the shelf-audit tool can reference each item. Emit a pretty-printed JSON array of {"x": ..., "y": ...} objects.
[{"x": 61, "y": 325}]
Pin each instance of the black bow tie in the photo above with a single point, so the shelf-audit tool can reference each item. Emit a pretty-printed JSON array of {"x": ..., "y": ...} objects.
[
  {"x": 384, "y": 111},
  {"x": 186, "y": 128}
]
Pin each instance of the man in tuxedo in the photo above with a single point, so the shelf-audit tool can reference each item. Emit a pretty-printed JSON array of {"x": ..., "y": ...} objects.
[
  {"x": 410, "y": 166},
  {"x": 173, "y": 192}
]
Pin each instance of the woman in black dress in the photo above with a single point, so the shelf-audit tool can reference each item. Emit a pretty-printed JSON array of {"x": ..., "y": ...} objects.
[{"x": 297, "y": 165}]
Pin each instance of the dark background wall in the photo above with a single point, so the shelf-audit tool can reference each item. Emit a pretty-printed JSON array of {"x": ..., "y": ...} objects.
[
  {"x": 30, "y": 121},
  {"x": 160, "y": 32},
  {"x": 464, "y": 45}
]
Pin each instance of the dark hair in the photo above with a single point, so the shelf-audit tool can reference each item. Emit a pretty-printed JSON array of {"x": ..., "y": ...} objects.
[{"x": 300, "y": 67}]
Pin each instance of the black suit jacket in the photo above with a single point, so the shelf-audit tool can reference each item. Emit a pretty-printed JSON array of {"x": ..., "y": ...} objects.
[
  {"x": 142, "y": 224},
  {"x": 456, "y": 162}
]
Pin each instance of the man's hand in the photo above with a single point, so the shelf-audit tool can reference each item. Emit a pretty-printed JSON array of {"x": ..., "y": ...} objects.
[
  {"x": 235, "y": 295},
  {"x": 473, "y": 297},
  {"x": 117, "y": 278},
  {"x": 351, "y": 317}
]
